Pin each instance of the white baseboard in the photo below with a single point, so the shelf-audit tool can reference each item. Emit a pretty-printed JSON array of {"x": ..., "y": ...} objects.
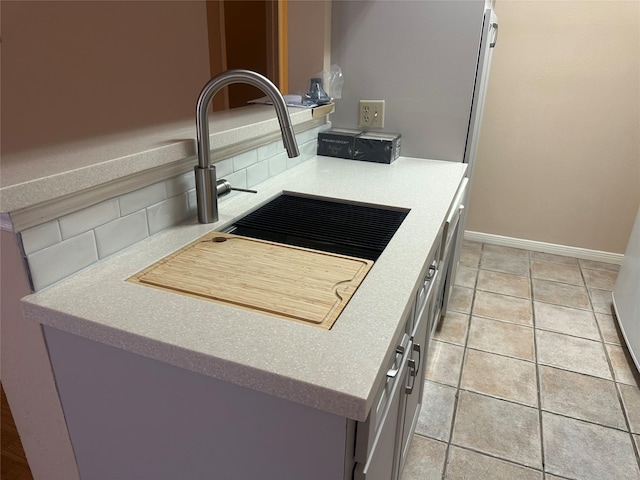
[{"x": 555, "y": 249}]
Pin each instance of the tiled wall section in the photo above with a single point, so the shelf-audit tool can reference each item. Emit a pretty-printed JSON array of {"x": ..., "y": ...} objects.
[{"x": 59, "y": 248}]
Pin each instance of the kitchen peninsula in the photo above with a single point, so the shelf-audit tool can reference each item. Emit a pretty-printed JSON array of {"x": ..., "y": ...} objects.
[{"x": 153, "y": 383}]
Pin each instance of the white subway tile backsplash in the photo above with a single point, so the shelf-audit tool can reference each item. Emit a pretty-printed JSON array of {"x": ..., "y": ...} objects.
[
  {"x": 292, "y": 162},
  {"x": 121, "y": 233},
  {"x": 224, "y": 168},
  {"x": 245, "y": 160},
  {"x": 167, "y": 213},
  {"x": 40, "y": 236},
  {"x": 269, "y": 150},
  {"x": 89, "y": 218},
  {"x": 58, "y": 261},
  {"x": 257, "y": 173},
  {"x": 238, "y": 179},
  {"x": 181, "y": 183},
  {"x": 277, "y": 164},
  {"x": 192, "y": 201},
  {"x": 304, "y": 137},
  {"x": 192, "y": 208},
  {"x": 308, "y": 150},
  {"x": 60, "y": 248},
  {"x": 145, "y": 197}
]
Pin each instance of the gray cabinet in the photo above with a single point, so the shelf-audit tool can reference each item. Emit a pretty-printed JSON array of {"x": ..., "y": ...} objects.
[
  {"x": 134, "y": 417},
  {"x": 383, "y": 441},
  {"x": 376, "y": 443},
  {"x": 131, "y": 417},
  {"x": 420, "y": 336}
]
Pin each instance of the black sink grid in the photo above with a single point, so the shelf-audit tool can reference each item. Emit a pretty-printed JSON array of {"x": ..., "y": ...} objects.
[{"x": 357, "y": 230}]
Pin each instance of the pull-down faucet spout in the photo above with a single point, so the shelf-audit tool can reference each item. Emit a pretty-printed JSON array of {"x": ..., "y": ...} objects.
[{"x": 206, "y": 191}]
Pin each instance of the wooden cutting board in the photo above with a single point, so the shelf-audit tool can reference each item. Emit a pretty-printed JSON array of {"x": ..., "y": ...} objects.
[{"x": 291, "y": 282}]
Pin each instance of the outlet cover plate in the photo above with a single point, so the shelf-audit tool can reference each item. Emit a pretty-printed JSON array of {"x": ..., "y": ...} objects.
[{"x": 371, "y": 113}]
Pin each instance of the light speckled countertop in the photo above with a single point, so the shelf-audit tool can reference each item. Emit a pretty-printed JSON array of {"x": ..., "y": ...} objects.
[
  {"x": 34, "y": 176},
  {"x": 338, "y": 370}
]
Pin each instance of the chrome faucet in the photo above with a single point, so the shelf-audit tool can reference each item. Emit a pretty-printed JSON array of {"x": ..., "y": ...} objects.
[{"x": 206, "y": 184}]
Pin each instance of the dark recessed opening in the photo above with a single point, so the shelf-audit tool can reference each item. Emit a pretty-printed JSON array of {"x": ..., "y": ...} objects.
[{"x": 361, "y": 231}]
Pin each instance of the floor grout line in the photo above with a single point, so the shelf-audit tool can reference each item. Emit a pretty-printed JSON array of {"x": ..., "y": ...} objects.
[
  {"x": 493, "y": 455},
  {"x": 538, "y": 375},
  {"x": 457, "y": 396}
]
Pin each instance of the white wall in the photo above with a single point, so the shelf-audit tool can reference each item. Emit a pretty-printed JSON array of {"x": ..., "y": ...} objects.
[{"x": 559, "y": 153}]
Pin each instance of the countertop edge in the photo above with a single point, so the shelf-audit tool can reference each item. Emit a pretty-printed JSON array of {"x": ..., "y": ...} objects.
[
  {"x": 89, "y": 163},
  {"x": 239, "y": 374}
]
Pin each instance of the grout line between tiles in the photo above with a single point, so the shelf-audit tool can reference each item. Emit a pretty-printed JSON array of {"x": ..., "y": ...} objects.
[
  {"x": 501, "y": 293},
  {"x": 484, "y": 394},
  {"x": 500, "y": 354},
  {"x": 568, "y": 334},
  {"x": 504, "y": 321},
  {"x": 493, "y": 455},
  {"x": 564, "y": 369},
  {"x": 593, "y": 310},
  {"x": 590, "y": 309},
  {"x": 457, "y": 396},
  {"x": 564, "y": 415},
  {"x": 538, "y": 377}
]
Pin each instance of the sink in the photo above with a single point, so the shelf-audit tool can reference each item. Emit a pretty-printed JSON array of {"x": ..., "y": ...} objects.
[
  {"x": 298, "y": 258},
  {"x": 345, "y": 228}
]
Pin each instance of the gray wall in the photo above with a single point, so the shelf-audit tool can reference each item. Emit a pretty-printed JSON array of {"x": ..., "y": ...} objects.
[{"x": 420, "y": 57}]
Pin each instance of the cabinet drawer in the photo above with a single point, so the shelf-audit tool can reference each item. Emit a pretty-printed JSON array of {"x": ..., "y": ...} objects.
[
  {"x": 380, "y": 457},
  {"x": 367, "y": 431},
  {"x": 453, "y": 217}
]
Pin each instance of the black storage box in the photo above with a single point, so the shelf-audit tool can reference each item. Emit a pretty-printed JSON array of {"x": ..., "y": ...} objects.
[
  {"x": 377, "y": 147},
  {"x": 337, "y": 143}
]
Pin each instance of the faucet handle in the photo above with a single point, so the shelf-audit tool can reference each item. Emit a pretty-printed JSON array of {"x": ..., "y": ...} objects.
[
  {"x": 243, "y": 190},
  {"x": 223, "y": 187}
]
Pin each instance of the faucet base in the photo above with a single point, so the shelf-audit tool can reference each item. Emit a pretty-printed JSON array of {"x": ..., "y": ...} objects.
[{"x": 206, "y": 194}]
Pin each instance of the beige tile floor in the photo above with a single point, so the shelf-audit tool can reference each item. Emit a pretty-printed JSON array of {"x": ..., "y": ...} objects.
[{"x": 528, "y": 376}]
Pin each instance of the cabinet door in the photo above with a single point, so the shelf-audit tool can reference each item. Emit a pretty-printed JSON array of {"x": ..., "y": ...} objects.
[
  {"x": 382, "y": 462},
  {"x": 414, "y": 383}
]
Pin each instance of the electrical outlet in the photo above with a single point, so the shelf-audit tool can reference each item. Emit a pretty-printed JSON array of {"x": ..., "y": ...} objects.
[{"x": 371, "y": 113}]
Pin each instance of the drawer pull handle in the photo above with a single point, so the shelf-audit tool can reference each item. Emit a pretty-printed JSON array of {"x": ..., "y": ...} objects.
[
  {"x": 495, "y": 38},
  {"x": 411, "y": 363},
  {"x": 430, "y": 273},
  {"x": 417, "y": 348},
  {"x": 393, "y": 372}
]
